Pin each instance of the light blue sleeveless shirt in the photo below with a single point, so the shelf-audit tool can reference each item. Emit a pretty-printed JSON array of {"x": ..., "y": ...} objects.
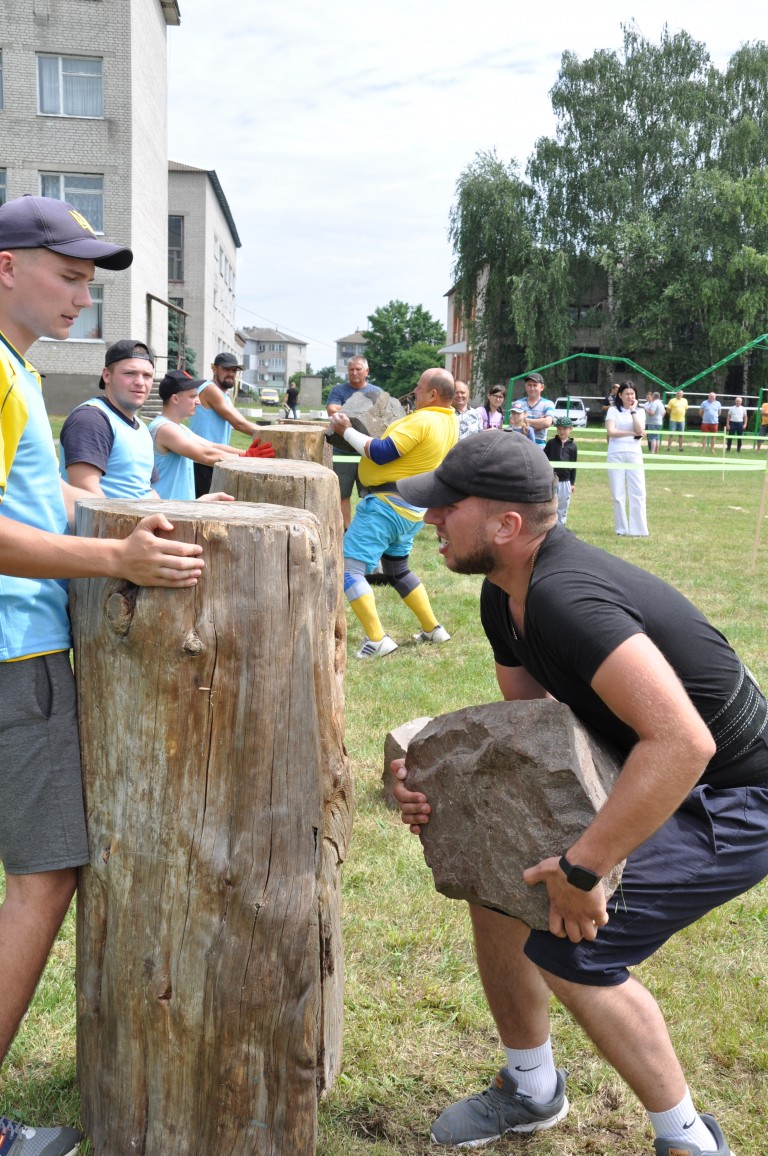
[
  {"x": 131, "y": 461},
  {"x": 176, "y": 475},
  {"x": 206, "y": 423},
  {"x": 33, "y": 611}
]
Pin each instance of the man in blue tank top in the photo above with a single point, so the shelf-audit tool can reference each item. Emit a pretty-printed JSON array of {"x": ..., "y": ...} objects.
[
  {"x": 177, "y": 448},
  {"x": 216, "y": 416},
  {"x": 48, "y": 253}
]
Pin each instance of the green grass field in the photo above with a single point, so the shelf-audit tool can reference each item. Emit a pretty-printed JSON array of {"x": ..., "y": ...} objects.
[{"x": 417, "y": 1030}]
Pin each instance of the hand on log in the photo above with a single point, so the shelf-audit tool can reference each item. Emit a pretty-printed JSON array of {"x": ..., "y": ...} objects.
[
  {"x": 572, "y": 913},
  {"x": 149, "y": 560},
  {"x": 217, "y": 497},
  {"x": 414, "y": 808},
  {"x": 259, "y": 449}
]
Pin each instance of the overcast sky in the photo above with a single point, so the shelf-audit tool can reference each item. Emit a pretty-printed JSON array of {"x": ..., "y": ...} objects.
[{"x": 338, "y": 130}]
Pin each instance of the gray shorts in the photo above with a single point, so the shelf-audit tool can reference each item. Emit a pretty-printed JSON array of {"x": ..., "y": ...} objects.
[
  {"x": 42, "y": 819},
  {"x": 346, "y": 472}
]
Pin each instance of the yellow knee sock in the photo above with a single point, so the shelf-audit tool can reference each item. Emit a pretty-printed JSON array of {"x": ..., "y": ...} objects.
[
  {"x": 367, "y": 614},
  {"x": 418, "y": 602}
]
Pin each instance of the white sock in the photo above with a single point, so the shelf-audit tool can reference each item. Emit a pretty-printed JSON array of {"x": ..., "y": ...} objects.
[
  {"x": 683, "y": 1123},
  {"x": 534, "y": 1071}
]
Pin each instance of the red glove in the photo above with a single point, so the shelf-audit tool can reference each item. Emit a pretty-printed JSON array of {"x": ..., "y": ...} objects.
[{"x": 259, "y": 449}]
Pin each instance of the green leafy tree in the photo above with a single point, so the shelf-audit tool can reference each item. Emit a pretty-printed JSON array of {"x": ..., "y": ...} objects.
[
  {"x": 648, "y": 202},
  {"x": 295, "y": 378},
  {"x": 409, "y": 366},
  {"x": 394, "y": 328},
  {"x": 190, "y": 358}
]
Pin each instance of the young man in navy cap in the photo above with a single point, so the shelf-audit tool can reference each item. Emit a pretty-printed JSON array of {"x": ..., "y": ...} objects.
[
  {"x": 48, "y": 253},
  {"x": 689, "y": 811},
  {"x": 177, "y": 447},
  {"x": 216, "y": 416}
]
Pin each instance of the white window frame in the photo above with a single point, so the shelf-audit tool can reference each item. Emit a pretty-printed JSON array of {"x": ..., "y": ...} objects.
[
  {"x": 62, "y": 72},
  {"x": 68, "y": 191}
]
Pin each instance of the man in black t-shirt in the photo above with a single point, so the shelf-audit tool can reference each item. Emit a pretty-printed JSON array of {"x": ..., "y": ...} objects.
[{"x": 689, "y": 811}]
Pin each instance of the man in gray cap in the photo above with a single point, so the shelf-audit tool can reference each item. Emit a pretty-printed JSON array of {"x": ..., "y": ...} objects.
[
  {"x": 216, "y": 416},
  {"x": 689, "y": 811},
  {"x": 48, "y": 253}
]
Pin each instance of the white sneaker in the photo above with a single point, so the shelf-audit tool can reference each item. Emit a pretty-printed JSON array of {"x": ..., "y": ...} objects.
[
  {"x": 378, "y": 649},
  {"x": 439, "y": 634}
]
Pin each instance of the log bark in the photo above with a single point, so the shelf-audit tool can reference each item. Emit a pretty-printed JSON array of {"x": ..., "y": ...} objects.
[
  {"x": 209, "y": 756},
  {"x": 308, "y": 486},
  {"x": 301, "y": 441}
]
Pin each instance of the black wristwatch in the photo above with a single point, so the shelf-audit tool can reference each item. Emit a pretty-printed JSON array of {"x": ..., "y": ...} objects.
[{"x": 580, "y": 877}]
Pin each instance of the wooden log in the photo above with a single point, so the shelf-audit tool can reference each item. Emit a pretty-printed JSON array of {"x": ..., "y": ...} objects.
[
  {"x": 208, "y": 758},
  {"x": 301, "y": 441},
  {"x": 312, "y": 487}
]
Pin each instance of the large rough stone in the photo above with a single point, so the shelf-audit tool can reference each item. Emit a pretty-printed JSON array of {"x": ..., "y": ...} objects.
[
  {"x": 395, "y": 747},
  {"x": 509, "y": 784},
  {"x": 369, "y": 414}
]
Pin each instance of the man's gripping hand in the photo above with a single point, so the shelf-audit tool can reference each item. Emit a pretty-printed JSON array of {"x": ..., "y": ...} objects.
[
  {"x": 414, "y": 808},
  {"x": 572, "y": 913},
  {"x": 147, "y": 559},
  {"x": 259, "y": 449}
]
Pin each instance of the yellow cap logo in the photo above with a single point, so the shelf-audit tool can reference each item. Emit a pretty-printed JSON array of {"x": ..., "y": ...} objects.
[{"x": 80, "y": 220}]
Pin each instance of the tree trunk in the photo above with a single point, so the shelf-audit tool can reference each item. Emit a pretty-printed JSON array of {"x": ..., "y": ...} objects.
[
  {"x": 301, "y": 441},
  {"x": 308, "y": 486},
  {"x": 211, "y": 763}
]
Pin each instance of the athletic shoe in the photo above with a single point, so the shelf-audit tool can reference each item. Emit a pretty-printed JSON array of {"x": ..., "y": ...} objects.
[
  {"x": 18, "y": 1140},
  {"x": 679, "y": 1147},
  {"x": 439, "y": 634},
  {"x": 371, "y": 649},
  {"x": 499, "y": 1109}
]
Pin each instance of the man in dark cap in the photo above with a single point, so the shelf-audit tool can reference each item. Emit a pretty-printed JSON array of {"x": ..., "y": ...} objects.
[
  {"x": 216, "y": 416},
  {"x": 177, "y": 447},
  {"x": 689, "y": 811},
  {"x": 48, "y": 253}
]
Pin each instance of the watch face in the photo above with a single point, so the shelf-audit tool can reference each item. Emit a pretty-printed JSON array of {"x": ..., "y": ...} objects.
[{"x": 582, "y": 878}]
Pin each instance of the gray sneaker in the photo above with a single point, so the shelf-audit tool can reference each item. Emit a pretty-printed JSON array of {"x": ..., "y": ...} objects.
[
  {"x": 20, "y": 1140},
  {"x": 479, "y": 1119},
  {"x": 679, "y": 1147}
]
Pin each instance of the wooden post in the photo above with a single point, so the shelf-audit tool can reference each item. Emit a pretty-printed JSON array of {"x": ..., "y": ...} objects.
[
  {"x": 209, "y": 758},
  {"x": 302, "y": 441},
  {"x": 312, "y": 487}
]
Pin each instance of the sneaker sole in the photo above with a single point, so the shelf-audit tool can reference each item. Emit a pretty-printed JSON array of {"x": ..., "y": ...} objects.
[{"x": 534, "y": 1126}]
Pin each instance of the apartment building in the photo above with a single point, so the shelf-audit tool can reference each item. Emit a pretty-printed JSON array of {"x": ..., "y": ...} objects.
[
  {"x": 202, "y": 261},
  {"x": 271, "y": 357},
  {"x": 353, "y": 345},
  {"x": 83, "y": 99}
]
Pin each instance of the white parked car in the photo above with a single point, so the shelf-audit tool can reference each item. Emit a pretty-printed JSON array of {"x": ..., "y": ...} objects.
[{"x": 572, "y": 407}]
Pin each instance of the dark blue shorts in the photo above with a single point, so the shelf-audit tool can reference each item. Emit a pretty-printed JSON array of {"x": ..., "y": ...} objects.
[{"x": 713, "y": 848}]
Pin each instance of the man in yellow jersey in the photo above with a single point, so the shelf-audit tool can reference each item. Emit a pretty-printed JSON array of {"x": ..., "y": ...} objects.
[
  {"x": 48, "y": 253},
  {"x": 677, "y": 408},
  {"x": 384, "y": 524}
]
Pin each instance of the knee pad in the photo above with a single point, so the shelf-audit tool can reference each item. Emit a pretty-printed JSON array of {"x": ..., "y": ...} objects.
[{"x": 399, "y": 572}]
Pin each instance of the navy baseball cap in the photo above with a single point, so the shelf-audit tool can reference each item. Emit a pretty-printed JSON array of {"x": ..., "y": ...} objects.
[
  {"x": 44, "y": 223},
  {"x": 495, "y": 464}
]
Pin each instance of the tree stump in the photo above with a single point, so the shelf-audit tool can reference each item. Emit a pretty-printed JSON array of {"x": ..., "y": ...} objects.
[
  {"x": 308, "y": 486},
  {"x": 301, "y": 441},
  {"x": 210, "y": 764}
]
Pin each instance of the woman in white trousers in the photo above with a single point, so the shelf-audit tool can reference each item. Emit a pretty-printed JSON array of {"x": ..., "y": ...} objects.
[{"x": 625, "y": 427}]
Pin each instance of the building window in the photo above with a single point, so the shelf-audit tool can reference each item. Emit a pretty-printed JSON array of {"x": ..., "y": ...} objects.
[
  {"x": 175, "y": 248},
  {"x": 88, "y": 326},
  {"x": 3, "y": 187},
  {"x": 70, "y": 86},
  {"x": 85, "y": 193},
  {"x": 1, "y": 78}
]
